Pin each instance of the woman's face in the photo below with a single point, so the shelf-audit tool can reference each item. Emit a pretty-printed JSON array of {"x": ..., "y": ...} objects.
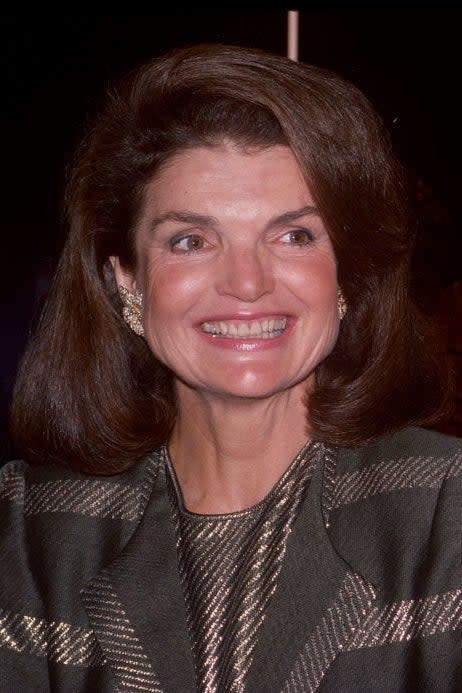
[{"x": 237, "y": 272}]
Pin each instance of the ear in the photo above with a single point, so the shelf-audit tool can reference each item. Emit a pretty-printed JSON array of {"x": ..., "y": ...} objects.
[{"x": 123, "y": 276}]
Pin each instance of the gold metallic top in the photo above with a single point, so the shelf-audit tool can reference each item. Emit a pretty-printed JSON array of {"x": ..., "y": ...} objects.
[{"x": 229, "y": 565}]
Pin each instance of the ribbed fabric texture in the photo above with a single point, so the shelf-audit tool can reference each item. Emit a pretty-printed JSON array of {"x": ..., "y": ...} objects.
[{"x": 229, "y": 565}]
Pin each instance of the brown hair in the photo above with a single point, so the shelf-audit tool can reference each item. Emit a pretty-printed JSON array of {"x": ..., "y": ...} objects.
[{"x": 90, "y": 394}]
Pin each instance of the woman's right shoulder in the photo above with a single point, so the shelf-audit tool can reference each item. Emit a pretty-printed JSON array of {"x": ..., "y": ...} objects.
[
  {"x": 53, "y": 491},
  {"x": 51, "y": 516},
  {"x": 58, "y": 530}
]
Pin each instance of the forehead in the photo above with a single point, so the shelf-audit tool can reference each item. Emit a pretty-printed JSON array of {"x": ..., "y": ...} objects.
[{"x": 226, "y": 175}]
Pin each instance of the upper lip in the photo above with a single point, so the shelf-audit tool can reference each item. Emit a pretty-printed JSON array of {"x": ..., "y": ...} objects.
[{"x": 243, "y": 317}]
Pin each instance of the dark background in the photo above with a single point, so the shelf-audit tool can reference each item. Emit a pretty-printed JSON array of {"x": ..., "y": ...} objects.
[{"x": 408, "y": 62}]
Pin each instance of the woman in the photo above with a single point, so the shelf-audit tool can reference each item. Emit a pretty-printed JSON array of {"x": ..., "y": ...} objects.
[{"x": 228, "y": 498}]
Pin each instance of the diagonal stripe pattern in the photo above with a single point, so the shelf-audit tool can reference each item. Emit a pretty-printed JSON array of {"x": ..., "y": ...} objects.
[
  {"x": 229, "y": 567},
  {"x": 391, "y": 475},
  {"x": 410, "y": 618},
  {"x": 90, "y": 497},
  {"x": 331, "y": 635},
  {"x": 12, "y": 486},
  {"x": 59, "y": 641},
  {"x": 124, "y": 651},
  {"x": 87, "y": 497}
]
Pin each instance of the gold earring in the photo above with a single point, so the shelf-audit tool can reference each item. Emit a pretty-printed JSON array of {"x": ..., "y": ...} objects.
[
  {"x": 132, "y": 310},
  {"x": 341, "y": 304}
]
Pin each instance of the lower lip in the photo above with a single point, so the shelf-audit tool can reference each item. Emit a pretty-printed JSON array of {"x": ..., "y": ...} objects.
[{"x": 249, "y": 344}]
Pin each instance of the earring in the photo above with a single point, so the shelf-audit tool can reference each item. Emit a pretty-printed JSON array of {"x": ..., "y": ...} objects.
[
  {"x": 341, "y": 304},
  {"x": 132, "y": 310}
]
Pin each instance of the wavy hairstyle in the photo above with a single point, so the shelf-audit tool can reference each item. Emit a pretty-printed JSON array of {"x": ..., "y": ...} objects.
[{"x": 89, "y": 393}]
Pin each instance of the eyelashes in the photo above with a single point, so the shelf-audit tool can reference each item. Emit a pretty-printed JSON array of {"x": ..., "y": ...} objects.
[
  {"x": 298, "y": 237},
  {"x": 194, "y": 242},
  {"x": 190, "y": 243}
]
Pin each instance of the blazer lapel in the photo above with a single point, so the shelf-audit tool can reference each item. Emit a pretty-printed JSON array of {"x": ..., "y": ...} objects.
[
  {"x": 136, "y": 607},
  {"x": 319, "y": 604}
]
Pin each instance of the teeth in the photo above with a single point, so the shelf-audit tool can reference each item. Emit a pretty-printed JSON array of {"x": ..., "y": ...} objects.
[{"x": 261, "y": 329}]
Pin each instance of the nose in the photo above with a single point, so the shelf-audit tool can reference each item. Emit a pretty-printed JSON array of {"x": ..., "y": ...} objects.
[{"x": 245, "y": 275}]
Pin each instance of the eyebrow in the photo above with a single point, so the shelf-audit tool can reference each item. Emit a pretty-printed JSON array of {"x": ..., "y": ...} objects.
[
  {"x": 205, "y": 220},
  {"x": 183, "y": 218},
  {"x": 288, "y": 217}
]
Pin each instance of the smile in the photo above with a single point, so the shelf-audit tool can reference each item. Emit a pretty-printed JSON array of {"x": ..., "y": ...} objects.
[{"x": 237, "y": 329}]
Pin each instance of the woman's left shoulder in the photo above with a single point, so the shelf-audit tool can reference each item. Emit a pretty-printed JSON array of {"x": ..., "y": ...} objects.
[
  {"x": 416, "y": 454},
  {"x": 423, "y": 441},
  {"x": 404, "y": 489},
  {"x": 395, "y": 512}
]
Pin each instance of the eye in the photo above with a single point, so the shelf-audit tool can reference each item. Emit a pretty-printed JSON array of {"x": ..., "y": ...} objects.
[
  {"x": 298, "y": 237},
  {"x": 187, "y": 244}
]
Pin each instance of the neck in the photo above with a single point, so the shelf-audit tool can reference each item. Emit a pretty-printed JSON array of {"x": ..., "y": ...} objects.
[{"x": 229, "y": 453}]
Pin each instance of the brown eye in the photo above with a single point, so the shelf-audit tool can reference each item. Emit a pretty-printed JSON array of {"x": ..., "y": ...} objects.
[
  {"x": 298, "y": 237},
  {"x": 188, "y": 244}
]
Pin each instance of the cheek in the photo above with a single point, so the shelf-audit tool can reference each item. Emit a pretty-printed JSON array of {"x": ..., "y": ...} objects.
[
  {"x": 170, "y": 291},
  {"x": 326, "y": 288},
  {"x": 315, "y": 282}
]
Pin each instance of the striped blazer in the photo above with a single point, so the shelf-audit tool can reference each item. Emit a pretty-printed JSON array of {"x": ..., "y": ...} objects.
[{"x": 369, "y": 598}]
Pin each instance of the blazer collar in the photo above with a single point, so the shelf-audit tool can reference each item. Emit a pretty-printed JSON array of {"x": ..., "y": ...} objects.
[
  {"x": 136, "y": 604},
  {"x": 319, "y": 604}
]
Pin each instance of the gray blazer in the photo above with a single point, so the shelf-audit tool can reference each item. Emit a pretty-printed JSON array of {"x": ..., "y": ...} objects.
[{"x": 369, "y": 598}]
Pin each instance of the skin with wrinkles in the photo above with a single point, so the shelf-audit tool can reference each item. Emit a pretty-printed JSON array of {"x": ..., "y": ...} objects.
[{"x": 232, "y": 238}]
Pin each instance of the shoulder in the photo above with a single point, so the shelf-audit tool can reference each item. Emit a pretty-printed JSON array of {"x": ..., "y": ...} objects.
[
  {"x": 410, "y": 459},
  {"x": 396, "y": 508},
  {"x": 48, "y": 489},
  {"x": 49, "y": 495},
  {"x": 408, "y": 467},
  {"x": 410, "y": 443},
  {"x": 59, "y": 527}
]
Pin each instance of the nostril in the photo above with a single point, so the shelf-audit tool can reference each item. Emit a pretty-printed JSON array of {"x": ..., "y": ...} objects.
[{"x": 246, "y": 278}]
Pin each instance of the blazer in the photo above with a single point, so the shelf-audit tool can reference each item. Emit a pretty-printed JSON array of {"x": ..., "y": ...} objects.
[{"x": 369, "y": 598}]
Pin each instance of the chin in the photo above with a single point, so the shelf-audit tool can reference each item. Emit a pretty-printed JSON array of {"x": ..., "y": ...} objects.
[{"x": 256, "y": 387}]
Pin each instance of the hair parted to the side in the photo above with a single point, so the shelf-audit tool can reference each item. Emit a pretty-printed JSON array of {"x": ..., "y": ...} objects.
[{"x": 89, "y": 393}]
